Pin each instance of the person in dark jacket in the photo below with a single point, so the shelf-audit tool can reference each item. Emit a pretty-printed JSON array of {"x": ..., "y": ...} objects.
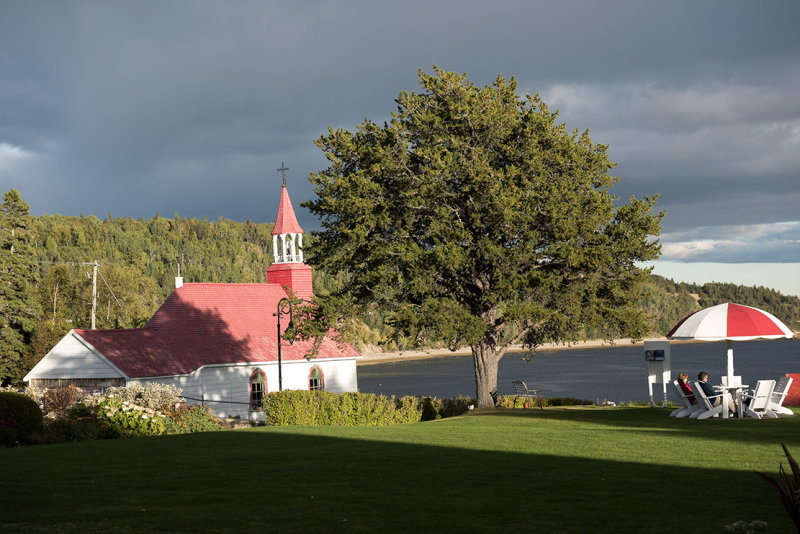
[{"x": 713, "y": 395}]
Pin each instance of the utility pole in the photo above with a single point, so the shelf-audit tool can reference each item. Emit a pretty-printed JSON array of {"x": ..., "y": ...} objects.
[
  {"x": 94, "y": 265},
  {"x": 94, "y": 292}
]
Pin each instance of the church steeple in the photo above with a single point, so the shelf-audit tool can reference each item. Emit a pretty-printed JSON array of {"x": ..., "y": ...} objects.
[
  {"x": 288, "y": 269},
  {"x": 287, "y": 236}
]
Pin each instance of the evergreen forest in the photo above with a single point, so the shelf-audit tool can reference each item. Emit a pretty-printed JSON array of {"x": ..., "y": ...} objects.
[{"x": 47, "y": 277}]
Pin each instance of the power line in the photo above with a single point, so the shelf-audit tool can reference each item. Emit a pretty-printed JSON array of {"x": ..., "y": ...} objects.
[
  {"x": 94, "y": 284},
  {"x": 112, "y": 292}
]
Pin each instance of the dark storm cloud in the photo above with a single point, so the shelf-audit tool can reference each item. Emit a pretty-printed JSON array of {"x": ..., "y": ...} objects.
[{"x": 189, "y": 107}]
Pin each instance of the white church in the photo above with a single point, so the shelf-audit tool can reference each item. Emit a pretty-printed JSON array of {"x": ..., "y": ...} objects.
[{"x": 217, "y": 342}]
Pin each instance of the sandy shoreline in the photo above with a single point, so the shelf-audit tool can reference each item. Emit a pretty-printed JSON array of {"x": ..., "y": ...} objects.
[{"x": 369, "y": 358}]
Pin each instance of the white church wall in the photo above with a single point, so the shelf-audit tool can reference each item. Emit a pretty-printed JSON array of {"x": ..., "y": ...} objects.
[
  {"x": 340, "y": 375},
  {"x": 72, "y": 358},
  {"x": 190, "y": 385},
  {"x": 226, "y": 388}
]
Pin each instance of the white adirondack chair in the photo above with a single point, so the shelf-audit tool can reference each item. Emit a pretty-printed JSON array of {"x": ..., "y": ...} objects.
[
  {"x": 707, "y": 409},
  {"x": 758, "y": 406},
  {"x": 688, "y": 408},
  {"x": 778, "y": 394}
]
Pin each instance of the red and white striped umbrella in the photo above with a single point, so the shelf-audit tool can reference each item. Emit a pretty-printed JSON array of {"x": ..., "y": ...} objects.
[{"x": 730, "y": 322}]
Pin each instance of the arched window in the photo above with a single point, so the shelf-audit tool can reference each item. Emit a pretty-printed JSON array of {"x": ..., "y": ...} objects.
[
  {"x": 316, "y": 380},
  {"x": 258, "y": 388}
]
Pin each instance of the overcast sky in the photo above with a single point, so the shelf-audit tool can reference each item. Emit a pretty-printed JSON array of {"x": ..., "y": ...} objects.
[{"x": 138, "y": 108}]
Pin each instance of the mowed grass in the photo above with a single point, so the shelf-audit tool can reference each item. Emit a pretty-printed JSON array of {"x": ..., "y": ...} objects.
[{"x": 557, "y": 470}]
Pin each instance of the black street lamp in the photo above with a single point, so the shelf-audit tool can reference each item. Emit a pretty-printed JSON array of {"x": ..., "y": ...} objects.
[{"x": 280, "y": 313}]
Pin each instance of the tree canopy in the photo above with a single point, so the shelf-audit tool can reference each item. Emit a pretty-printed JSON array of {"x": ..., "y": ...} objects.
[
  {"x": 473, "y": 217},
  {"x": 18, "y": 305}
]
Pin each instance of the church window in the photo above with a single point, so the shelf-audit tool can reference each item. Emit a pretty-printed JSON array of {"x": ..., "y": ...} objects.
[
  {"x": 258, "y": 388},
  {"x": 316, "y": 380}
]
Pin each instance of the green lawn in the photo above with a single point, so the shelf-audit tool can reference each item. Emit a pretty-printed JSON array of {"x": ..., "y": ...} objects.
[{"x": 560, "y": 470}]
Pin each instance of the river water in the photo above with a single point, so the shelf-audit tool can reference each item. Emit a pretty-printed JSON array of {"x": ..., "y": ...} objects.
[{"x": 616, "y": 374}]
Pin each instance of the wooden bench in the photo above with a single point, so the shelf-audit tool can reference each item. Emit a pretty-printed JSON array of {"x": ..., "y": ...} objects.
[{"x": 522, "y": 390}]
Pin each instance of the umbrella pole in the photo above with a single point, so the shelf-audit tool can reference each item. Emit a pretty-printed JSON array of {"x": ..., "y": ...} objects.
[{"x": 729, "y": 345}]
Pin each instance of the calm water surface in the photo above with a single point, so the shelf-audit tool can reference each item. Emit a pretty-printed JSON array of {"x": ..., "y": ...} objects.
[{"x": 616, "y": 373}]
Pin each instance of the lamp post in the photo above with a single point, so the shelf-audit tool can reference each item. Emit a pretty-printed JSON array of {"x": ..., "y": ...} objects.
[{"x": 280, "y": 313}]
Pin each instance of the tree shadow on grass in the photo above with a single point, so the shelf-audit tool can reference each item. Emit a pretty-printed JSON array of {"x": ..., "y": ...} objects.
[{"x": 299, "y": 482}]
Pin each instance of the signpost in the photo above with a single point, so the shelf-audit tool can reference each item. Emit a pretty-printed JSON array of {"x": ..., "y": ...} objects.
[{"x": 656, "y": 360}]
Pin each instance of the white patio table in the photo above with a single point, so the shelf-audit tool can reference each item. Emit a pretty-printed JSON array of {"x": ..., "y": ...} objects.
[{"x": 737, "y": 391}]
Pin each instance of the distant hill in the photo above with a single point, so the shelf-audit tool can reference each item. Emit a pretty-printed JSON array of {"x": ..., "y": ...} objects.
[
  {"x": 139, "y": 259},
  {"x": 691, "y": 297}
]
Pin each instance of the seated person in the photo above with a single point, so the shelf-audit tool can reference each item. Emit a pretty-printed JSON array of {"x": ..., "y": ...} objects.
[
  {"x": 686, "y": 388},
  {"x": 710, "y": 392}
]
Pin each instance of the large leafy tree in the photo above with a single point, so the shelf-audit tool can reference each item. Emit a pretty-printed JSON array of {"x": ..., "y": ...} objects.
[
  {"x": 472, "y": 217},
  {"x": 18, "y": 307}
]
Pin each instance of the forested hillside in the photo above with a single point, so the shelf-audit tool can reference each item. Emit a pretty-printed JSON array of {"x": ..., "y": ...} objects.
[
  {"x": 46, "y": 277},
  {"x": 679, "y": 296}
]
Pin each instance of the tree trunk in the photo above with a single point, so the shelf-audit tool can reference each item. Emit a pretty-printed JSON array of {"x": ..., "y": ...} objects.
[{"x": 485, "y": 358}]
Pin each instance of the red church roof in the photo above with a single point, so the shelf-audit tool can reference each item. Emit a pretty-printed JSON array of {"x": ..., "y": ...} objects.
[
  {"x": 286, "y": 222},
  {"x": 206, "y": 324}
]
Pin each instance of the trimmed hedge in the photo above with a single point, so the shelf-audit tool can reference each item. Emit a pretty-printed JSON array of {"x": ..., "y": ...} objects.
[
  {"x": 189, "y": 420},
  {"x": 315, "y": 408},
  {"x": 512, "y": 401},
  {"x": 21, "y": 420}
]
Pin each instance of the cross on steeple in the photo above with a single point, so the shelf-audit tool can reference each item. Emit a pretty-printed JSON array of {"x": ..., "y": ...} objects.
[{"x": 283, "y": 170}]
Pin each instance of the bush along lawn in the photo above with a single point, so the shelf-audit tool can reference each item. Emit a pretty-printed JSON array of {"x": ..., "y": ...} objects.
[
  {"x": 152, "y": 410},
  {"x": 570, "y": 469},
  {"x": 70, "y": 415}
]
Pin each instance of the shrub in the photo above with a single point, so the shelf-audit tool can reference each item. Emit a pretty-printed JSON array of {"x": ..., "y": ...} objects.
[
  {"x": 125, "y": 419},
  {"x": 454, "y": 407},
  {"x": 354, "y": 409},
  {"x": 57, "y": 401},
  {"x": 21, "y": 420},
  {"x": 368, "y": 409},
  {"x": 408, "y": 410},
  {"x": 513, "y": 401},
  {"x": 434, "y": 408},
  {"x": 282, "y": 408},
  {"x": 430, "y": 408},
  {"x": 150, "y": 395},
  {"x": 339, "y": 409},
  {"x": 36, "y": 393},
  {"x": 81, "y": 423},
  {"x": 194, "y": 419},
  {"x": 9, "y": 432}
]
